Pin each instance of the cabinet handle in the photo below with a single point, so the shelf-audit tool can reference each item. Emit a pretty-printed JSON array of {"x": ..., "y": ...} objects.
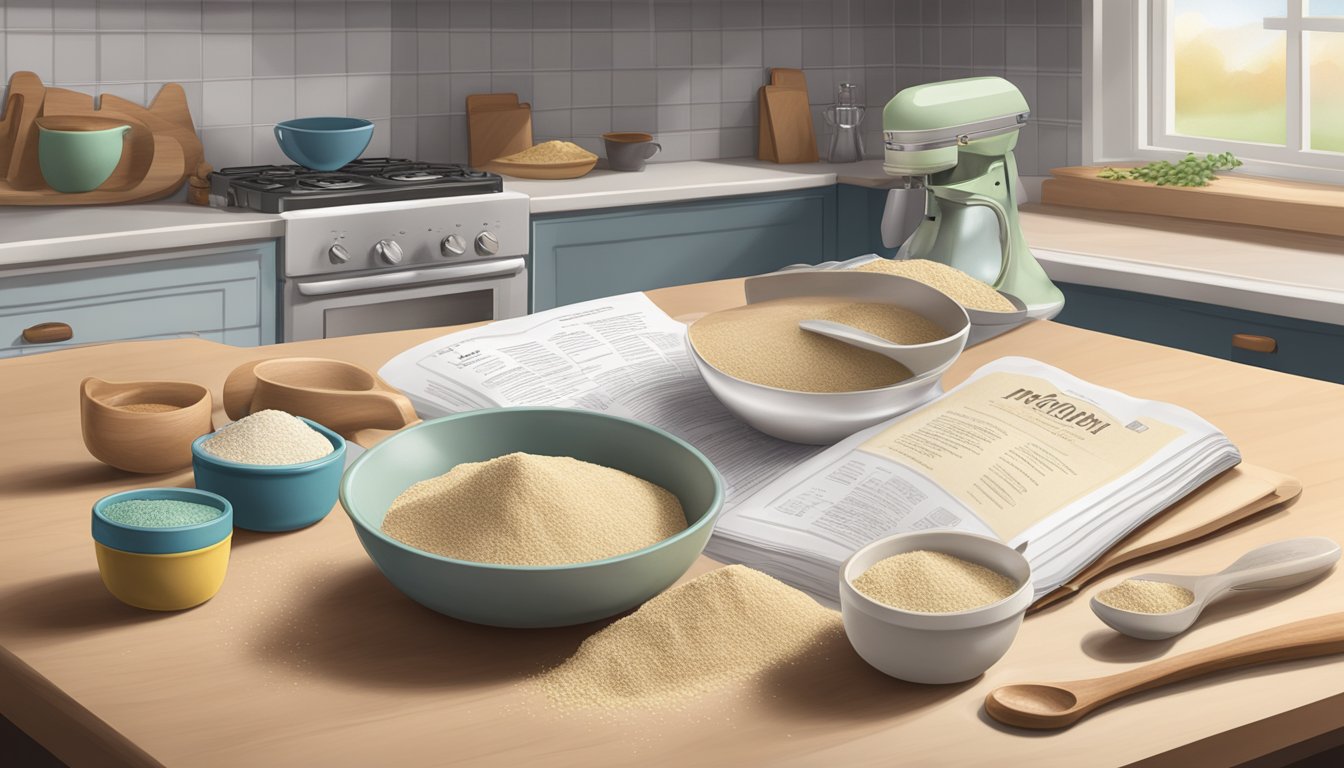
[
  {"x": 1253, "y": 343},
  {"x": 48, "y": 333}
]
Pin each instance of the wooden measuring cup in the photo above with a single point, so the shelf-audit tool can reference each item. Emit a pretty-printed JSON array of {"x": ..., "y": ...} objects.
[{"x": 341, "y": 396}]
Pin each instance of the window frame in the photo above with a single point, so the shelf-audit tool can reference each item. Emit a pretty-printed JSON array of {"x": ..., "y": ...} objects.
[{"x": 1127, "y": 103}]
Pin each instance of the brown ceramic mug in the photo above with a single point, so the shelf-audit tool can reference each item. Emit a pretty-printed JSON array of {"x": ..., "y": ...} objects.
[{"x": 628, "y": 151}]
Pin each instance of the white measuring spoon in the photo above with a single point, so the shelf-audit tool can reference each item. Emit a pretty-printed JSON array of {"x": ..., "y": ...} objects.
[
  {"x": 921, "y": 359},
  {"x": 1279, "y": 565}
]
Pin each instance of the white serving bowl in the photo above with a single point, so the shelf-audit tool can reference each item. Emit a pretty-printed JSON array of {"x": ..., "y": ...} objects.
[
  {"x": 935, "y": 647},
  {"x": 820, "y": 418}
]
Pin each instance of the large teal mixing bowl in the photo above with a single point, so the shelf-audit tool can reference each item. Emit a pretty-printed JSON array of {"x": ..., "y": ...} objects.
[{"x": 531, "y": 596}]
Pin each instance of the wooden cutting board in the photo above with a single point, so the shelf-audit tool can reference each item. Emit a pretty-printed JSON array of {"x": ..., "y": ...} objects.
[
  {"x": 497, "y": 126},
  {"x": 23, "y": 171},
  {"x": 161, "y": 151},
  {"x": 791, "y": 124},
  {"x": 1228, "y": 499}
]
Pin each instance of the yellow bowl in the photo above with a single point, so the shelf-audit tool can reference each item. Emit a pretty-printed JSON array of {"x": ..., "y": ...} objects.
[{"x": 169, "y": 582}]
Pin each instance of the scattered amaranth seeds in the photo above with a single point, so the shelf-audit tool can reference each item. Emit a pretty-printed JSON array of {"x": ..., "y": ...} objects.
[
  {"x": 522, "y": 509},
  {"x": 729, "y": 625},
  {"x": 1141, "y": 596},
  {"x": 933, "y": 582}
]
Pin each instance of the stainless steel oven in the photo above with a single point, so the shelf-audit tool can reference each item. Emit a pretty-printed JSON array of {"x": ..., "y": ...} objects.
[{"x": 411, "y": 264}]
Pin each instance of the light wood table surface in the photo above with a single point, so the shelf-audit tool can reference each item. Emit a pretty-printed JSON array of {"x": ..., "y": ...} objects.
[{"x": 308, "y": 656}]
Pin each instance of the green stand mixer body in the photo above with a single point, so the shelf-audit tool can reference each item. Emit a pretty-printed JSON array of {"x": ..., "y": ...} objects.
[{"x": 959, "y": 135}]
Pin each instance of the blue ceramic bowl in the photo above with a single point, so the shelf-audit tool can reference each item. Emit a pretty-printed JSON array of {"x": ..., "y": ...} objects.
[
  {"x": 323, "y": 143},
  {"x": 162, "y": 541},
  {"x": 531, "y": 596},
  {"x": 273, "y": 497}
]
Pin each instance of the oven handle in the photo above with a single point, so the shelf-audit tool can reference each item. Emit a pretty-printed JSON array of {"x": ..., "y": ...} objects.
[{"x": 505, "y": 268}]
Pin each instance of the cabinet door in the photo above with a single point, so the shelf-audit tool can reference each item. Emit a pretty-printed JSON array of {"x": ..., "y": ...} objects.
[
  {"x": 576, "y": 257},
  {"x": 1300, "y": 347},
  {"x": 225, "y": 295}
]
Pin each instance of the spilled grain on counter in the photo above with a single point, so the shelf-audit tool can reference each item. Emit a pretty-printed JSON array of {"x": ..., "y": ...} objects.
[
  {"x": 722, "y": 628},
  {"x": 763, "y": 344}
]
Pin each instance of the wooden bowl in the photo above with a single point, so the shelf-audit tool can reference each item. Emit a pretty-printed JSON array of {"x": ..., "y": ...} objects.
[
  {"x": 572, "y": 169},
  {"x": 341, "y": 396},
  {"x": 143, "y": 426}
]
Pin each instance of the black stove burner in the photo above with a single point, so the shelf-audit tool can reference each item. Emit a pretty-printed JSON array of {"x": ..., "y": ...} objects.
[{"x": 279, "y": 188}]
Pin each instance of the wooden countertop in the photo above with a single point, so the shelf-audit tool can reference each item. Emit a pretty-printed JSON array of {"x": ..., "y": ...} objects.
[{"x": 309, "y": 657}]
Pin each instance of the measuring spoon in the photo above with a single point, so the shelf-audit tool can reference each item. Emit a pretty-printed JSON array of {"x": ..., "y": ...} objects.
[
  {"x": 1279, "y": 565},
  {"x": 1058, "y": 705},
  {"x": 921, "y": 359}
]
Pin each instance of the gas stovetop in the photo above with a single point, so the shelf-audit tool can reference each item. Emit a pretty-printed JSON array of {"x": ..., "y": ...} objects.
[{"x": 279, "y": 188}]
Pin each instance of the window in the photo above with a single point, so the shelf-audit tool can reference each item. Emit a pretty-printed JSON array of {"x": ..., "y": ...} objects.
[{"x": 1261, "y": 78}]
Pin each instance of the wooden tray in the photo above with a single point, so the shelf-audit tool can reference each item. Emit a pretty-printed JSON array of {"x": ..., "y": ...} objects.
[
  {"x": 160, "y": 152},
  {"x": 567, "y": 170},
  {"x": 1232, "y": 198}
]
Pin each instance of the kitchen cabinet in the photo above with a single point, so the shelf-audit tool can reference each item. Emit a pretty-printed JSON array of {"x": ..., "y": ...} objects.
[
  {"x": 225, "y": 294},
  {"x": 859, "y": 213},
  {"x": 1299, "y": 347},
  {"x": 589, "y": 255}
]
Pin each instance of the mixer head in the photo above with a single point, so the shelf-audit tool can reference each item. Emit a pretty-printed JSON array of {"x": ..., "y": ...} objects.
[{"x": 925, "y": 127}]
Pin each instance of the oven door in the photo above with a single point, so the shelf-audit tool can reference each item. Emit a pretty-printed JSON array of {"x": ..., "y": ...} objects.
[{"x": 427, "y": 297}]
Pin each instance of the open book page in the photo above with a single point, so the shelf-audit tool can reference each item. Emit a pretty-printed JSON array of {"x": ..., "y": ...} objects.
[
  {"x": 621, "y": 355},
  {"x": 1020, "y": 450}
]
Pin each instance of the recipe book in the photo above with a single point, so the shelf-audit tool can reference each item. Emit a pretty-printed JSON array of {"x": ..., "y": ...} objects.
[{"x": 1021, "y": 450}]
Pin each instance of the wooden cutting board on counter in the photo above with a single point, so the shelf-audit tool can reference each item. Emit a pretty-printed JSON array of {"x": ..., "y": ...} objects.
[
  {"x": 1228, "y": 499},
  {"x": 786, "y": 134},
  {"x": 161, "y": 151},
  {"x": 497, "y": 126}
]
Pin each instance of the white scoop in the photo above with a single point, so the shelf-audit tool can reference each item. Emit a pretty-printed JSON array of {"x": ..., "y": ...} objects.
[
  {"x": 919, "y": 358},
  {"x": 1279, "y": 565}
]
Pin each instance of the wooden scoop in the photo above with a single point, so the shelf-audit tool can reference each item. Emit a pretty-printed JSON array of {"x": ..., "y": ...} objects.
[
  {"x": 1059, "y": 705},
  {"x": 341, "y": 396}
]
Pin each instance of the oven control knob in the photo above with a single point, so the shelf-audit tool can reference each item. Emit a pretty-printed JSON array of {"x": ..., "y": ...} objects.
[
  {"x": 388, "y": 251},
  {"x": 487, "y": 243},
  {"x": 338, "y": 254},
  {"x": 452, "y": 245}
]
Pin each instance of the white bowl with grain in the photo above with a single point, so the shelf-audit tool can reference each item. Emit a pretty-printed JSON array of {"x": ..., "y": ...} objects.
[
  {"x": 935, "y": 648},
  {"x": 821, "y": 418}
]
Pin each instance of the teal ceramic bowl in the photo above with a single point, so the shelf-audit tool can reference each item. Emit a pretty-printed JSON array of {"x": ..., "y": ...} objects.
[
  {"x": 273, "y": 497},
  {"x": 78, "y": 155},
  {"x": 531, "y": 596},
  {"x": 323, "y": 143}
]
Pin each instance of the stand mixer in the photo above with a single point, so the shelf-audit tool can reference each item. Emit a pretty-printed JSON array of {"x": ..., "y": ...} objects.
[{"x": 957, "y": 137}]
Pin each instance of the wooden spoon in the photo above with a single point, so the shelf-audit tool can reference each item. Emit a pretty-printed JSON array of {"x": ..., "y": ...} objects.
[{"x": 1059, "y": 705}]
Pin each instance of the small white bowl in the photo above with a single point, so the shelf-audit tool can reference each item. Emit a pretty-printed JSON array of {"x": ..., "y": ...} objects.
[
  {"x": 821, "y": 418},
  {"x": 935, "y": 647}
]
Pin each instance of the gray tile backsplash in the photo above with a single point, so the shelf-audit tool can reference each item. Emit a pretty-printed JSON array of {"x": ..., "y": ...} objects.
[{"x": 686, "y": 70}]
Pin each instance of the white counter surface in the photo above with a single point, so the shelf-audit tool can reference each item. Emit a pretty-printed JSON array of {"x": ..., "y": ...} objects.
[
  {"x": 64, "y": 233},
  {"x": 1283, "y": 273},
  {"x": 691, "y": 180}
]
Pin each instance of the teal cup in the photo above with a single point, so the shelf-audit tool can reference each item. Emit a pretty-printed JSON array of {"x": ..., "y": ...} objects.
[
  {"x": 273, "y": 497},
  {"x": 79, "y": 154},
  {"x": 531, "y": 596}
]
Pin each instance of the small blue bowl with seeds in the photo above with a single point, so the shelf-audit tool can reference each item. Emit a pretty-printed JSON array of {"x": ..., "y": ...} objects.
[{"x": 163, "y": 549}]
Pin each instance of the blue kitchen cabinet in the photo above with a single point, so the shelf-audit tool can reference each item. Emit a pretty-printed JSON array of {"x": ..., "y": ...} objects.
[
  {"x": 588, "y": 255},
  {"x": 225, "y": 294},
  {"x": 1302, "y": 347}
]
